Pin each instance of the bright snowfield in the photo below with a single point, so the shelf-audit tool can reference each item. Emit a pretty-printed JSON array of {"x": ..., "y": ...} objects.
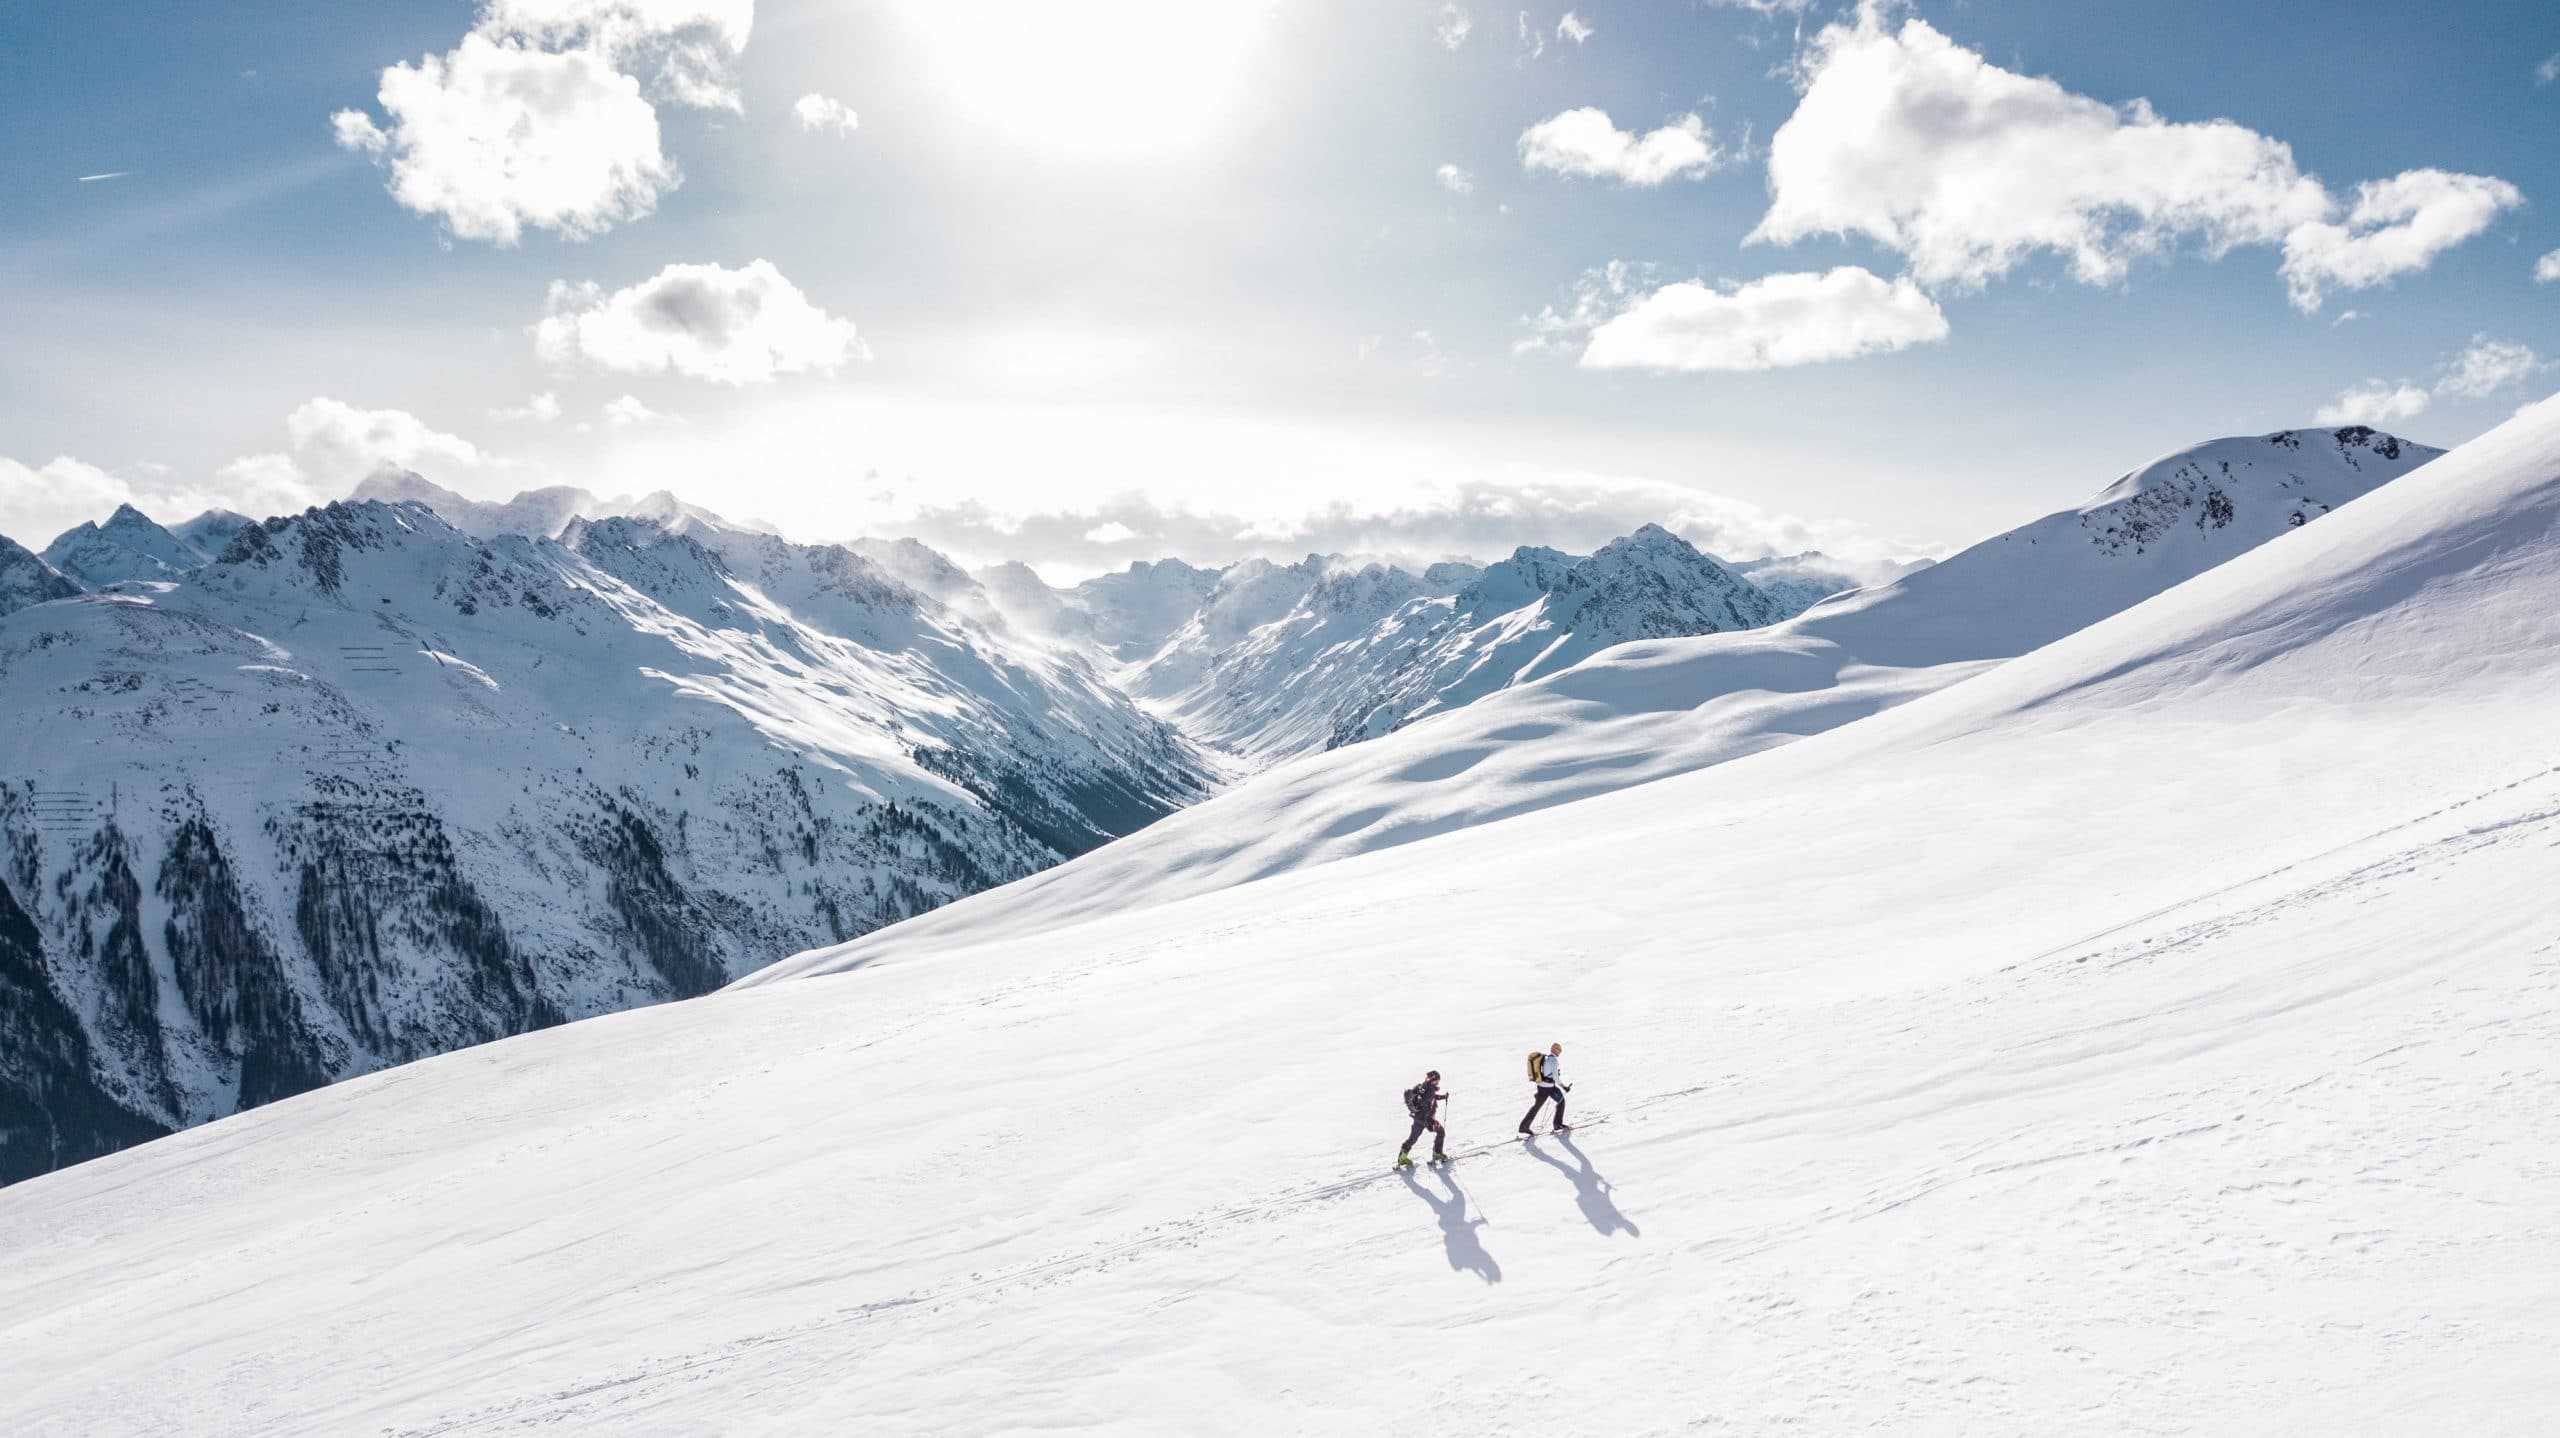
[
  {"x": 1646, "y": 711},
  {"x": 2152, "y": 1034}
]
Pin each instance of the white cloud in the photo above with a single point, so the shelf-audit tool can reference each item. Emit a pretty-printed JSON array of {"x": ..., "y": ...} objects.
[
  {"x": 539, "y": 118},
  {"x": 499, "y": 135},
  {"x": 1110, "y": 532},
  {"x": 1573, "y": 27},
  {"x": 819, "y": 112},
  {"x": 1773, "y": 322},
  {"x": 742, "y": 326},
  {"x": 1585, "y": 142},
  {"x": 2373, "y": 402},
  {"x": 2548, "y": 70},
  {"x": 2547, "y": 269},
  {"x": 540, "y": 409},
  {"x": 1533, "y": 39},
  {"x": 2488, "y": 366},
  {"x": 332, "y": 445},
  {"x": 1454, "y": 26},
  {"x": 2397, "y": 226},
  {"x": 1456, "y": 181},
  {"x": 1967, "y": 169},
  {"x": 687, "y": 46},
  {"x": 336, "y": 444},
  {"x": 628, "y": 411},
  {"x": 38, "y": 504}
]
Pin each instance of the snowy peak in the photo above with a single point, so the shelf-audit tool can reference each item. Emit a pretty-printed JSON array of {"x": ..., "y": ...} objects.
[
  {"x": 2261, "y": 484},
  {"x": 211, "y": 532},
  {"x": 128, "y": 546},
  {"x": 26, "y": 579},
  {"x": 1653, "y": 584},
  {"x": 1800, "y": 581},
  {"x": 1531, "y": 571}
]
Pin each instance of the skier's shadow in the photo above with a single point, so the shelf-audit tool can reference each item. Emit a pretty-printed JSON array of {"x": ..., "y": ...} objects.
[
  {"x": 1589, "y": 1189},
  {"x": 1457, "y": 1231}
]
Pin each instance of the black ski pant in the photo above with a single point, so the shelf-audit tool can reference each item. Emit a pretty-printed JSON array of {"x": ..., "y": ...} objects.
[
  {"x": 1546, "y": 1091},
  {"x": 1439, "y": 1137}
]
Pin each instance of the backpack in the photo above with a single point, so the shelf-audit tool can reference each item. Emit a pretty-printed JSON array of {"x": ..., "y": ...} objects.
[
  {"x": 1537, "y": 1067},
  {"x": 1417, "y": 1100}
]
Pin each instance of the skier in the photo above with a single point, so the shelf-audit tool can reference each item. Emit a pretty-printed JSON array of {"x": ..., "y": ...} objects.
[
  {"x": 1546, "y": 1070},
  {"x": 1423, "y": 1101}
]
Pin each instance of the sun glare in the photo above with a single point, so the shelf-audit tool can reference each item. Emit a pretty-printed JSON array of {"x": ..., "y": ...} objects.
[{"x": 1109, "y": 78}]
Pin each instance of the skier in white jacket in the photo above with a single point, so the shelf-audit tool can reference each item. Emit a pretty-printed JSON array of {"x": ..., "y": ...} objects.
[{"x": 1551, "y": 1086}]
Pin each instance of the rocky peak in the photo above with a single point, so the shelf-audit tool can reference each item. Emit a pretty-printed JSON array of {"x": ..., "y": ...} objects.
[{"x": 26, "y": 579}]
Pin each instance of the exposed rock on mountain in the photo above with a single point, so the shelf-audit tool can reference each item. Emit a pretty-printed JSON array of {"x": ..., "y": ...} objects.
[{"x": 369, "y": 788}]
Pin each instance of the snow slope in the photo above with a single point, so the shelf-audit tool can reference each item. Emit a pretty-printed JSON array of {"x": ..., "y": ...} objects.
[
  {"x": 1646, "y": 711},
  {"x": 2151, "y": 1034},
  {"x": 369, "y": 788}
]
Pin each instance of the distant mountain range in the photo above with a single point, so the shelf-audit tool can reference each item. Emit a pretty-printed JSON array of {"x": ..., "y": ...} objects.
[
  {"x": 288, "y": 800},
  {"x": 292, "y": 799}
]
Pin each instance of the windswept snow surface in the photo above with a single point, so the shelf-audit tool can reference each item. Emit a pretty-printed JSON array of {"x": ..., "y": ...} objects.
[
  {"x": 1641, "y": 712},
  {"x": 2154, "y": 1034}
]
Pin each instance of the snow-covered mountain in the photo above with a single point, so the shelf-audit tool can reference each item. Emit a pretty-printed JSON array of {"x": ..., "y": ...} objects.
[
  {"x": 1642, "y": 712},
  {"x": 26, "y": 579},
  {"x": 368, "y": 788},
  {"x": 128, "y": 546},
  {"x": 535, "y": 513},
  {"x": 1311, "y": 656},
  {"x": 1800, "y": 581},
  {"x": 2156, "y": 1026},
  {"x": 211, "y": 532},
  {"x": 1262, "y": 660}
]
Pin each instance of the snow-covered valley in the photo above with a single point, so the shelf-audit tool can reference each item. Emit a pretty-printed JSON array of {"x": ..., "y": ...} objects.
[{"x": 2150, "y": 1032}]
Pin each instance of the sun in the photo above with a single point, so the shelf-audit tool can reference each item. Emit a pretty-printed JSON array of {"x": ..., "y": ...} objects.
[{"x": 1102, "y": 77}]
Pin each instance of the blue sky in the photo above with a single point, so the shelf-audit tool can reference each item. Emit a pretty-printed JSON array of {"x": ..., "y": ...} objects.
[{"x": 1082, "y": 284}]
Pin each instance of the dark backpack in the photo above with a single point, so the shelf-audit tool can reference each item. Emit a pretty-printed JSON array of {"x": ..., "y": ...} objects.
[{"x": 1417, "y": 1100}]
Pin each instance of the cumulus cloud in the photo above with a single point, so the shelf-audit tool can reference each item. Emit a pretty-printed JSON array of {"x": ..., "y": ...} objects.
[
  {"x": 336, "y": 444},
  {"x": 540, "y": 409},
  {"x": 2548, "y": 70},
  {"x": 1773, "y": 322},
  {"x": 2488, "y": 366},
  {"x": 2373, "y": 402},
  {"x": 2396, "y": 227},
  {"x": 1585, "y": 142},
  {"x": 499, "y": 135},
  {"x": 1456, "y": 181},
  {"x": 1453, "y": 26},
  {"x": 628, "y": 411},
  {"x": 686, "y": 47},
  {"x": 738, "y": 327},
  {"x": 330, "y": 446},
  {"x": 2547, "y": 269},
  {"x": 2485, "y": 366},
  {"x": 1574, "y": 28},
  {"x": 540, "y": 117},
  {"x": 819, "y": 112},
  {"x": 1967, "y": 170},
  {"x": 37, "y": 503}
]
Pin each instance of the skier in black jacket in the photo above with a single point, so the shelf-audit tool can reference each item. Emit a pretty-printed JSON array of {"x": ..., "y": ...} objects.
[{"x": 1423, "y": 1101}]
